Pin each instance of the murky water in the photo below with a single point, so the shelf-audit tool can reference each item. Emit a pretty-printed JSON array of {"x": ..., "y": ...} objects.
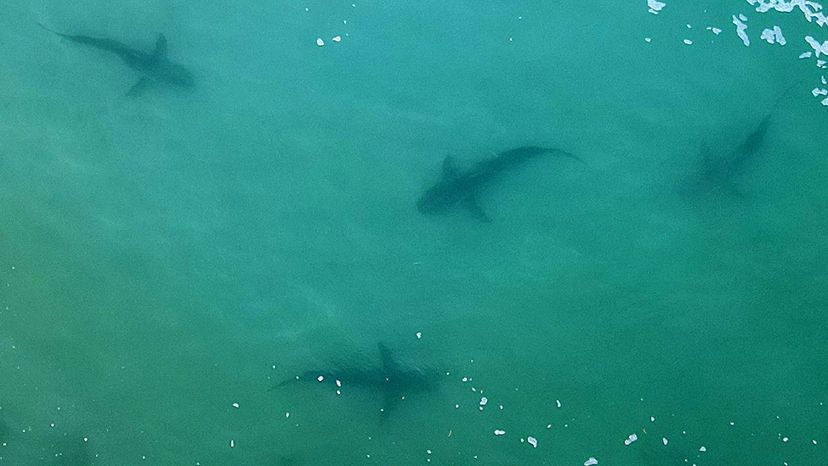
[{"x": 171, "y": 261}]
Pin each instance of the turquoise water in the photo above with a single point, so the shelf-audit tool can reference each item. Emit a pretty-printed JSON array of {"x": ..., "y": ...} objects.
[{"x": 166, "y": 259}]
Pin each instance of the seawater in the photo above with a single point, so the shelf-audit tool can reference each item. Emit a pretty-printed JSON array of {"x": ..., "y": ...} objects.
[{"x": 166, "y": 259}]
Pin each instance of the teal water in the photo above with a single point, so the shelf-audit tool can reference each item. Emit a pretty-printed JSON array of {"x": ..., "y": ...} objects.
[{"x": 166, "y": 259}]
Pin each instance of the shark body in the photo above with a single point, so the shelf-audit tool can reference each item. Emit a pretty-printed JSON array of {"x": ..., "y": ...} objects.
[
  {"x": 393, "y": 381},
  {"x": 719, "y": 173},
  {"x": 457, "y": 188},
  {"x": 154, "y": 67}
]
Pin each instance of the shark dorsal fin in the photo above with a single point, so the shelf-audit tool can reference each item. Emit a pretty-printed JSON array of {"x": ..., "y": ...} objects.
[
  {"x": 389, "y": 364},
  {"x": 470, "y": 203},
  {"x": 160, "y": 47},
  {"x": 449, "y": 168}
]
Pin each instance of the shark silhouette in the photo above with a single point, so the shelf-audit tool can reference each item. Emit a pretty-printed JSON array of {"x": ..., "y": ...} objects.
[
  {"x": 154, "y": 67},
  {"x": 719, "y": 172},
  {"x": 457, "y": 188},
  {"x": 392, "y": 380}
]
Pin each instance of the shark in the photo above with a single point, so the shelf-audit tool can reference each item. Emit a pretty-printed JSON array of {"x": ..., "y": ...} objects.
[
  {"x": 461, "y": 188},
  {"x": 392, "y": 380},
  {"x": 154, "y": 67},
  {"x": 720, "y": 172}
]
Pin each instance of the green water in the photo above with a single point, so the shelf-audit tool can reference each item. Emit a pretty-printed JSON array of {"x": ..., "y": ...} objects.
[{"x": 166, "y": 259}]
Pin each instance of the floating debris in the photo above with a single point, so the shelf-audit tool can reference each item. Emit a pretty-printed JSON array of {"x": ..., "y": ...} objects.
[
  {"x": 499, "y": 432},
  {"x": 483, "y": 402},
  {"x": 236, "y": 405},
  {"x": 632, "y": 438},
  {"x": 591, "y": 461},
  {"x": 702, "y": 449},
  {"x": 232, "y": 444},
  {"x": 532, "y": 441},
  {"x": 558, "y": 403},
  {"x": 337, "y": 38},
  {"x": 418, "y": 334},
  {"x": 664, "y": 441},
  {"x": 320, "y": 378},
  {"x": 320, "y": 42},
  {"x": 688, "y": 42}
]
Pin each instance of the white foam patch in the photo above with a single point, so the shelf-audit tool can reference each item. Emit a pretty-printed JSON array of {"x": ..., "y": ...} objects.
[
  {"x": 811, "y": 10},
  {"x": 774, "y": 36},
  {"x": 806, "y": 55},
  {"x": 818, "y": 92},
  {"x": 819, "y": 49},
  {"x": 654, "y": 6},
  {"x": 741, "y": 27}
]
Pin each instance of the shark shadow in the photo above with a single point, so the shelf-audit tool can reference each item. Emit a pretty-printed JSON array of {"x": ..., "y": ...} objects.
[
  {"x": 392, "y": 381},
  {"x": 461, "y": 188},
  {"x": 153, "y": 67}
]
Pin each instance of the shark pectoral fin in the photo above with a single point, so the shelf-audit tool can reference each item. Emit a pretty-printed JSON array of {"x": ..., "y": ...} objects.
[
  {"x": 474, "y": 208},
  {"x": 138, "y": 88},
  {"x": 449, "y": 168},
  {"x": 390, "y": 400},
  {"x": 160, "y": 47}
]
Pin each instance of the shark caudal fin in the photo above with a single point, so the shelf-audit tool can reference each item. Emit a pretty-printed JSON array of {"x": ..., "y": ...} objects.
[{"x": 563, "y": 153}]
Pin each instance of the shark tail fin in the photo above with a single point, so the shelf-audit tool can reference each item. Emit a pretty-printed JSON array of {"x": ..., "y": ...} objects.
[
  {"x": 563, "y": 153},
  {"x": 285, "y": 382},
  {"x": 46, "y": 28}
]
